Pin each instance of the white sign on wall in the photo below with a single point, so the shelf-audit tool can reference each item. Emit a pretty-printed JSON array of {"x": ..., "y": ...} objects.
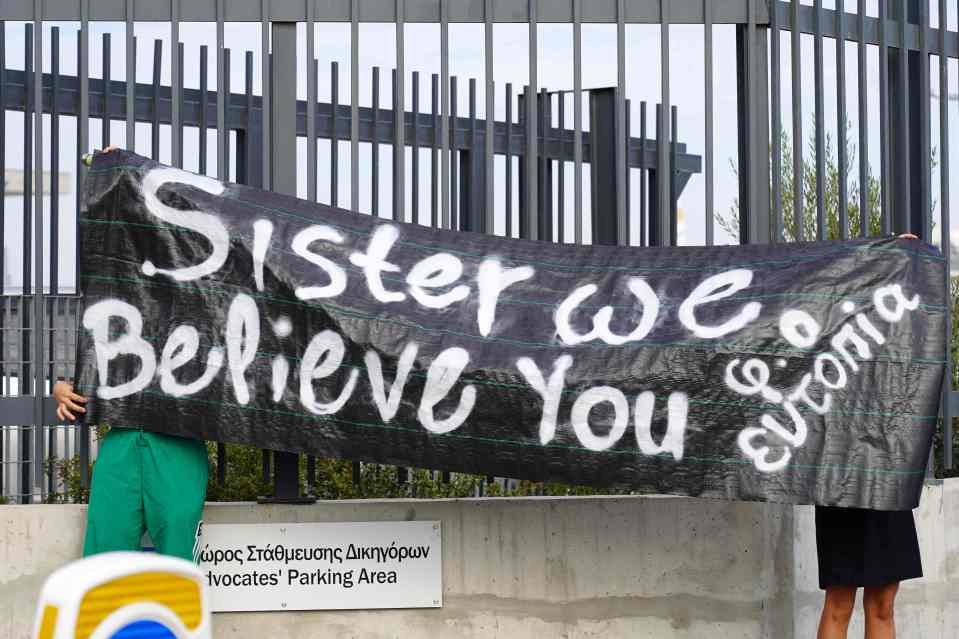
[{"x": 342, "y": 566}]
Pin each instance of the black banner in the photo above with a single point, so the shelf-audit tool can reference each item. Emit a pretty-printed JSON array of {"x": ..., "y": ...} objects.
[{"x": 803, "y": 373}]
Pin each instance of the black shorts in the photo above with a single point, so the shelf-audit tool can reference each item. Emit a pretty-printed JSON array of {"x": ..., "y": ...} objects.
[{"x": 866, "y": 547}]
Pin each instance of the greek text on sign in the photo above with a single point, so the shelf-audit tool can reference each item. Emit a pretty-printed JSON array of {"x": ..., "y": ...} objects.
[{"x": 341, "y": 566}]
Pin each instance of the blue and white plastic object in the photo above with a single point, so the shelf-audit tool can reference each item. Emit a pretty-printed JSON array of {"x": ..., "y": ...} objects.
[{"x": 124, "y": 596}]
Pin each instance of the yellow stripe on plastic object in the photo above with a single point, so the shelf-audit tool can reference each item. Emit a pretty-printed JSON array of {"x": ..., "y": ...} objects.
[
  {"x": 180, "y": 594},
  {"x": 48, "y": 623}
]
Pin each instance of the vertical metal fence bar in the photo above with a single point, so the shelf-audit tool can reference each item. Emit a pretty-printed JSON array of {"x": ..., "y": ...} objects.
[
  {"x": 470, "y": 194},
  {"x": 131, "y": 76},
  {"x": 3, "y": 214},
  {"x": 540, "y": 179},
  {"x": 334, "y": 138},
  {"x": 204, "y": 104},
  {"x": 52, "y": 306},
  {"x": 83, "y": 136},
  {"x": 415, "y": 195},
  {"x": 673, "y": 161},
  {"x": 446, "y": 193},
  {"x": 622, "y": 135},
  {"x": 561, "y": 168},
  {"x": 4, "y": 302},
  {"x": 798, "y": 195},
  {"x": 355, "y": 105},
  {"x": 311, "y": 475},
  {"x": 83, "y": 132},
  {"x": 925, "y": 115},
  {"x": 904, "y": 174},
  {"x": 776, "y": 92},
  {"x": 759, "y": 192},
  {"x": 48, "y": 307},
  {"x": 25, "y": 315},
  {"x": 177, "y": 120},
  {"x": 629, "y": 173},
  {"x": 220, "y": 463},
  {"x": 311, "y": 78},
  {"x": 176, "y": 88},
  {"x": 488, "y": 150},
  {"x": 578, "y": 123},
  {"x": 107, "y": 86},
  {"x": 54, "y": 169},
  {"x": 885, "y": 159},
  {"x": 842, "y": 123},
  {"x": 27, "y": 284},
  {"x": 265, "y": 86},
  {"x": 38, "y": 239},
  {"x": 664, "y": 223},
  {"x": 532, "y": 163},
  {"x": 509, "y": 159},
  {"x": 945, "y": 225},
  {"x": 396, "y": 214},
  {"x": 155, "y": 125},
  {"x": 283, "y": 152},
  {"x": 711, "y": 118},
  {"x": 375, "y": 179},
  {"x": 747, "y": 120},
  {"x": 249, "y": 161},
  {"x": 28, "y": 184},
  {"x": 222, "y": 115},
  {"x": 434, "y": 152},
  {"x": 655, "y": 224},
  {"x": 399, "y": 114},
  {"x": 820, "y": 132},
  {"x": 222, "y": 142},
  {"x": 454, "y": 157},
  {"x": 863, "y": 125},
  {"x": 644, "y": 180}
]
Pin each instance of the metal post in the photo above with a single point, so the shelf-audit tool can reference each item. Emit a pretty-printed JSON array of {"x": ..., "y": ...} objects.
[
  {"x": 909, "y": 104},
  {"x": 474, "y": 180},
  {"x": 604, "y": 177},
  {"x": 664, "y": 224},
  {"x": 38, "y": 317},
  {"x": 283, "y": 161},
  {"x": 753, "y": 90},
  {"x": 531, "y": 161},
  {"x": 905, "y": 114}
]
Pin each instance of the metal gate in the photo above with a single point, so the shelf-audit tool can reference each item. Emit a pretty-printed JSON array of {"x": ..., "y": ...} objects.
[{"x": 457, "y": 183}]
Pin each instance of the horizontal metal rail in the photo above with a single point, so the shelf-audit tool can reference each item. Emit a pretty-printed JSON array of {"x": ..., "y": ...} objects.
[
  {"x": 865, "y": 29},
  {"x": 413, "y": 11},
  {"x": 374, "y": 124}
]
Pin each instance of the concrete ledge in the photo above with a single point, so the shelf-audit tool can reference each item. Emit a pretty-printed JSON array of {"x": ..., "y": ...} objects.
[{"x": 556, "y": 567}]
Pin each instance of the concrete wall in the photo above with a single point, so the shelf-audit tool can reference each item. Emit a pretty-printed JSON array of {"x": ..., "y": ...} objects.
[
  {"x": 927, "y": 607},
  {"x": 575, "y": 568}
]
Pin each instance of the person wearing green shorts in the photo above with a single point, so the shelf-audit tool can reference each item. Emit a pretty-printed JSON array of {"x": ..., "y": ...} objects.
[{"x": 141, "y": 481}]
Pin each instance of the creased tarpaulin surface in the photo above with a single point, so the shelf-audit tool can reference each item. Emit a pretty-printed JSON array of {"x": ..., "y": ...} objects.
[{"x": 803, "y": 373}]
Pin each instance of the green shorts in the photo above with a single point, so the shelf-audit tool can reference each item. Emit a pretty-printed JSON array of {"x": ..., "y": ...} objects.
[{"x": 145, "y": 481}]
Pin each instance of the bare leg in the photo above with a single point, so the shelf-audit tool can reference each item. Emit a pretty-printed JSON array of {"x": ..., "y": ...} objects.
[
  {"x": 879, "y": 602},
  {"x": 836, "y": 612}
]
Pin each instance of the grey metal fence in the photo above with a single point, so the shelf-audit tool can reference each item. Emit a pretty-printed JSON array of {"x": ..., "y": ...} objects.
[{"x": 255, "y": 135}]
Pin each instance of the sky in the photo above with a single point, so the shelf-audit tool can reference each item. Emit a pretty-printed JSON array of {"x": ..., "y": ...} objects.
[{"x": 377, "y": 48}]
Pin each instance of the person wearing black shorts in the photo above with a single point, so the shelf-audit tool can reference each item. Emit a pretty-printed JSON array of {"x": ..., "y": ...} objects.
[{"x": 869, "y": 549}]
